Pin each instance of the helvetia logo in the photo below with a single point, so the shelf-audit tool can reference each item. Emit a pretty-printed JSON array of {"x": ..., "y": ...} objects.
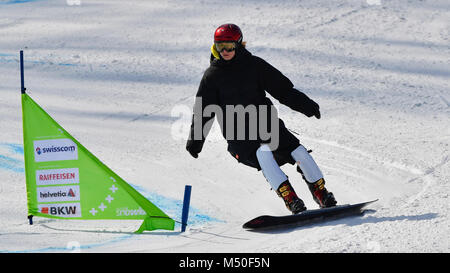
[
  {"x": 71, "y": 193},
  {"x": 58, "y": 194}
]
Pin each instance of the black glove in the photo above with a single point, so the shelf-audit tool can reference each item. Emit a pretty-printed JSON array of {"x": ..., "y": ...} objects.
[
  {"x": 194, "y": 154},
  {"x": 300, "y": 102},
  {"x": 193, "y": 148},
  {"x": 317, "y": 114},
  {"x": 311, "y": 109}
]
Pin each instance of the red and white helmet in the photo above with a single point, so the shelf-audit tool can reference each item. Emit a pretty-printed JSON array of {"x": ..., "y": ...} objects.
[{"x": 228, "y": 33}]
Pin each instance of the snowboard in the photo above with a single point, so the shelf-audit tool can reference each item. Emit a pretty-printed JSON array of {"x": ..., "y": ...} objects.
[{"x": 265, "y": 222}]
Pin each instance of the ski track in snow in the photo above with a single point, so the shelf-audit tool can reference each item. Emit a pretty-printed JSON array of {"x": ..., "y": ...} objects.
[
  {"x": 9, "y": 160},
  {"x": 379, "y": 72}
]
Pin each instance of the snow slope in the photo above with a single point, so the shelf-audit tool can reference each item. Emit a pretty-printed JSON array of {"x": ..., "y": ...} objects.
[{"x": 121, "y": 76}]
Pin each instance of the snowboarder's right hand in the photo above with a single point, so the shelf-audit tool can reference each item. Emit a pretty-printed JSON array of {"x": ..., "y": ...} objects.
[
  {"x": 191, "y": 148},
  {"x": 194, "y": 154}
]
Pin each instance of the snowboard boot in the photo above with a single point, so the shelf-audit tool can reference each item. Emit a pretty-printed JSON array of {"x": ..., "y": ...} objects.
[
  {"x": 320, "y": 194},
  {"x": 290, "y": 198}
]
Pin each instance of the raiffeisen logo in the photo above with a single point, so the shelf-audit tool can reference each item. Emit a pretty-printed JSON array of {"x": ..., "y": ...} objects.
[
  {"x": 57, "y": 176},
  {"x": 55, "y": 150}
]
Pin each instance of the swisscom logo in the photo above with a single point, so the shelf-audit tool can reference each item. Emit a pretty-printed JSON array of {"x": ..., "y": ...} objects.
[{"x": 55, "y": 150}]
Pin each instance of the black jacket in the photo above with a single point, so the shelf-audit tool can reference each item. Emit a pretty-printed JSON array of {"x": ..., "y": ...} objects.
[{"x": 244, "y": 81}]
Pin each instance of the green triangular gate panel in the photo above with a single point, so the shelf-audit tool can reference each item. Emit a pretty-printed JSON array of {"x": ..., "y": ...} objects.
[{"x": 66, "y": 181}]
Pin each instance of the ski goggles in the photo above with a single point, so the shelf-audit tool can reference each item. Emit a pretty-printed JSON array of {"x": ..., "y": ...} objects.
[{"x": 227, "y": 46}]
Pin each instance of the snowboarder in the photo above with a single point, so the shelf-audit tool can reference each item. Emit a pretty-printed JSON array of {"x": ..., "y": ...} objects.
[{"x": 235, "y": 78}]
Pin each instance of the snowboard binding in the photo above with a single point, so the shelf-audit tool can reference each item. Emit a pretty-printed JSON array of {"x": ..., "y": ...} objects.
[
  {"x": 324, "y": 198},
  {"x": 290, "y": 198},
  {"x": 321, "y": 195}
]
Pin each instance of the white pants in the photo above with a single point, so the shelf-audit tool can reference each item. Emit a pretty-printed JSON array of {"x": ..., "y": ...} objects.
[
  {"x": 273, "y": 173},
  {"x": 307, "y": 164}
]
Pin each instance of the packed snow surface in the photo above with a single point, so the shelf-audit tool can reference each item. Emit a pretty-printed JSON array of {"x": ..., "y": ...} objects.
[{"x": 121, "y": 77}]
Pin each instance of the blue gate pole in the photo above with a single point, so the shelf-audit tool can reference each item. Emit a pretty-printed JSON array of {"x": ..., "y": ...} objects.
[
  {"x": 22, "y": 81},
  {"x": 186, "y": 201},
  {"x": 22, "y": 91}
]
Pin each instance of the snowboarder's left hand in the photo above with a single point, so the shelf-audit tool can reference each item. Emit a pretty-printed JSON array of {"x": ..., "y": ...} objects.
[
  {"x": 317, "y": 114},
  {"x": 312, "y": 109}
]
